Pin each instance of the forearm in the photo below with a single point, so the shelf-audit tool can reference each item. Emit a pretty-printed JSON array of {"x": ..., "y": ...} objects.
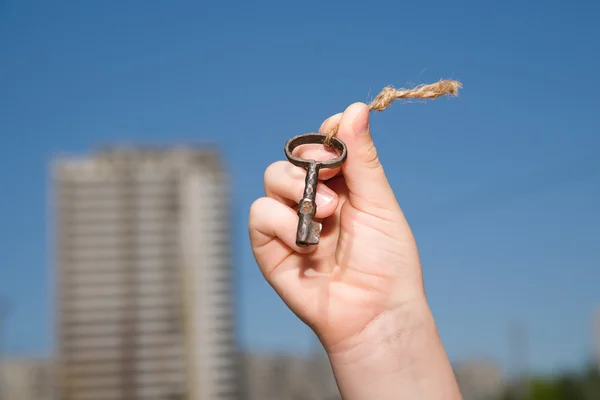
[{"x": 398, "y": 356}]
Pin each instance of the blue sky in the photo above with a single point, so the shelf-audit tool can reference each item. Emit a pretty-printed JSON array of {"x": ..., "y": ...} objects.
[{"x": 500, "y": 184}]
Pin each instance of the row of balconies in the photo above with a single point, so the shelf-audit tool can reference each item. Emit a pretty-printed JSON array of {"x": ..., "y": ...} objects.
[
  {"x": 155, "y": 389},
  {"x": 74, "y": 216},
  {"x": 78, "y": 343},
  {"x": 138, "y": 204},
  {"x": 95, "y": 190},
  {"x": 173, "y": 364},
  {"x": 136, "y": 352}
]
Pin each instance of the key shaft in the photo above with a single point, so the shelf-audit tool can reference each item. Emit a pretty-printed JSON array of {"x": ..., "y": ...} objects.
[{"x": 309, "y": 231}]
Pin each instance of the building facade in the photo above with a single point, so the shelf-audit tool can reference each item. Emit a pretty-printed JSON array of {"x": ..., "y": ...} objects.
[
  {"x": 27, "y": 379},
  {"x": 480, "y": 379},
  {"x": 289, "y": 377},
  {"x": 145, "y": 303}
]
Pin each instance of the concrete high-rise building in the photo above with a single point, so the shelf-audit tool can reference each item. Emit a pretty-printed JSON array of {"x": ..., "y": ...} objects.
[
  {"x": 479, "y": 379},
  {"x": 286, "y": 376},
  {"x": 145, "y": 303},
  {"x": 27, "y": 379}
]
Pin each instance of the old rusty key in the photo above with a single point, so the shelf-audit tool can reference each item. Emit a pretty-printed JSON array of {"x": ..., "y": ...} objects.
[{"x": 309, "y": 231}]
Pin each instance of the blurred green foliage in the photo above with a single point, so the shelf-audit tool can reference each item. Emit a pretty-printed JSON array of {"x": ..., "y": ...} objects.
[{"x": 584, "y": 385}]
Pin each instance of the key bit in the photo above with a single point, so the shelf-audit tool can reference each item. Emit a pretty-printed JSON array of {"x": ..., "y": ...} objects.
[{"x": 309, "y": 230}]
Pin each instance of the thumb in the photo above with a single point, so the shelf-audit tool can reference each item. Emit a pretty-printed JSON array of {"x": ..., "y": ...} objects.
[{"x": 369, "y": 189}]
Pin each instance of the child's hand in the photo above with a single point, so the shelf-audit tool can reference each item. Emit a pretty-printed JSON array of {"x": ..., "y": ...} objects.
[{"x": 366, "y": 264}]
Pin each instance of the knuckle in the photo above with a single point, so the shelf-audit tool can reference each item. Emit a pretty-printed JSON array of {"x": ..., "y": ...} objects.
[
  {"x": 330, "y": 122},
  {"x": 256, "y": 208},
  {"x": 259, "y": 214},
  {"x": 269, "y": 172},
  {"x": 271, "y": 175},
  {"x": 370, "y": 156}
]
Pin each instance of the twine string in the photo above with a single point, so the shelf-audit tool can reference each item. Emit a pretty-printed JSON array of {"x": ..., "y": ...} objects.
[{"x": 389, "y": 94}]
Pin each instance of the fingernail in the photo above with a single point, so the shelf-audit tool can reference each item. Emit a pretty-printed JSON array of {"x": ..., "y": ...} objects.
[
  {"x": 361, "y": 124},
  {"x": 324, "y": 195}
]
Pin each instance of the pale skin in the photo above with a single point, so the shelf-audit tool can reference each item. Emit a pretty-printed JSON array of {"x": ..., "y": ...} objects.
[{"x": 361, "y": 288}]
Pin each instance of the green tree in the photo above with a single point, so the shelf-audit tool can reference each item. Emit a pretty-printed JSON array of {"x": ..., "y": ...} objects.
[
  {"x": 583, "y": 385},
  {"x": 540, "y": 389}
]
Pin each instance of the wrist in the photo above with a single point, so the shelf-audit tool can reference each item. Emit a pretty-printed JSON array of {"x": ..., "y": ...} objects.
[{"x": 398, "y": 355}]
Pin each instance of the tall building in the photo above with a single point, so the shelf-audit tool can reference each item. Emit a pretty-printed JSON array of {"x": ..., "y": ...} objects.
[
  {"x": 27, "y": 379},
  {"x": 479, "y": 379},
  {"x": 145, "y": 304},
  {"x": 286, "y": 376}
]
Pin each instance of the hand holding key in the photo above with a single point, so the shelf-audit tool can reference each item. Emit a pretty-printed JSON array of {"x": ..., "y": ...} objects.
[{"x": 360, "y": 289}]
